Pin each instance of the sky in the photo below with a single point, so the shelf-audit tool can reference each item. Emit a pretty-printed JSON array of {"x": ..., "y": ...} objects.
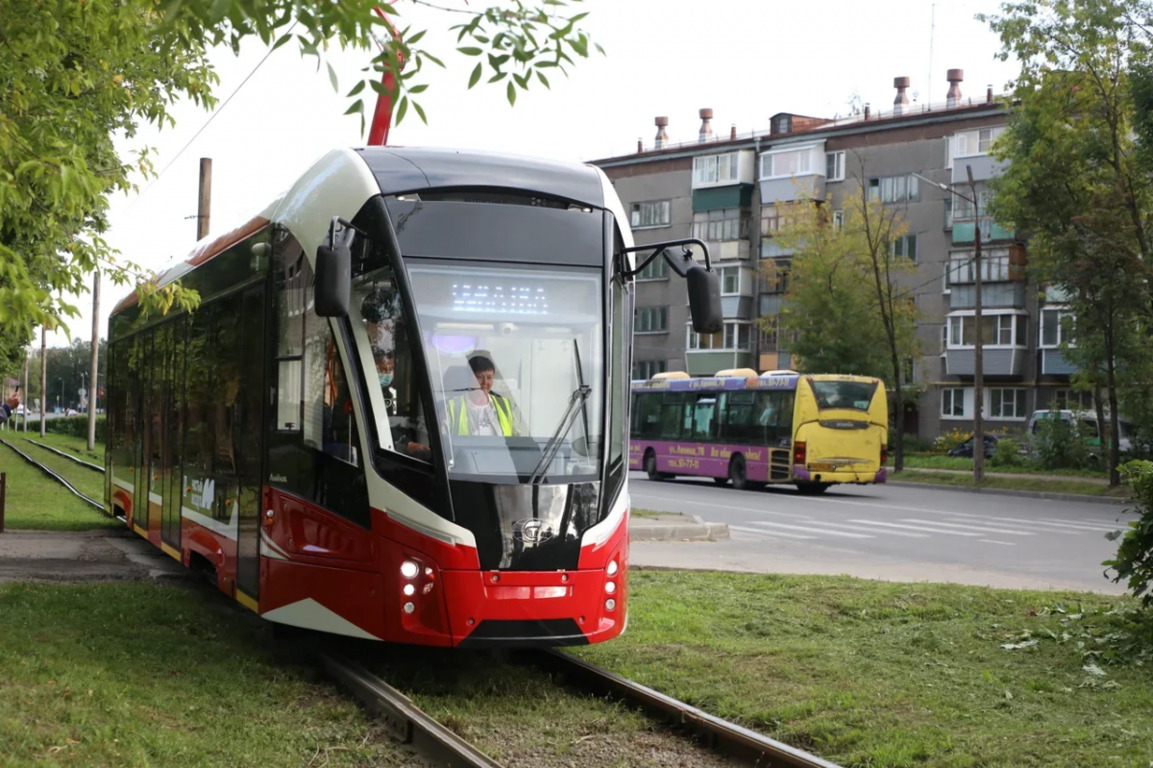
[{"x": 744, "y": 59}]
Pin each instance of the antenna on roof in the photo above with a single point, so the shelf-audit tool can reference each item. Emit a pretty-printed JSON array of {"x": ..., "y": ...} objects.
[{"x": 932, "y": 31}]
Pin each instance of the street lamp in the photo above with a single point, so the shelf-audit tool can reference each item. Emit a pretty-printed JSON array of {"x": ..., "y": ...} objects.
[
  {"x": 60, "y": 399},
  {"x": 978, "y": 362}
]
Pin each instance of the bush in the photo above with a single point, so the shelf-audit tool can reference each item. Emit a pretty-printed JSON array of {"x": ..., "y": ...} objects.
[
  {"x": 947, "y": 441},
  {"x": 76, "y": 426},
  {"x": 1008, "y": 454},
  {"x": 1133, "y": 562},
  {"x": 1059, "y": 445}
]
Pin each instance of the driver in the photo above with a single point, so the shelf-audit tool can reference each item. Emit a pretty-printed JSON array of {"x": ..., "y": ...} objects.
[{"x": 481, "y": 411}]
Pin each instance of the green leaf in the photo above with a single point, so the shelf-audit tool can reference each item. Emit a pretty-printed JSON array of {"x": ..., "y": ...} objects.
[
  {"x": 470, "y": 51},
  {"x": 420, "y": 112},
  {"x": 475, "y": 77},
  {"x": 544, "y": 80},
  {"x": 511, "y": 91},
  {"x": 402, "y": 109},
  {"x": 360, "y": 85},
  {"x": 332, "y": 76}
]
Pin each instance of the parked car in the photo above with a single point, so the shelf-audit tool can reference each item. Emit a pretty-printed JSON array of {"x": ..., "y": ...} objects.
[{"x": 965, "y": 449}]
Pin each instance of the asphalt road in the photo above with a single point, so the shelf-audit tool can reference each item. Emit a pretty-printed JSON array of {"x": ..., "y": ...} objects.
[{"x": 893, "y": 532}]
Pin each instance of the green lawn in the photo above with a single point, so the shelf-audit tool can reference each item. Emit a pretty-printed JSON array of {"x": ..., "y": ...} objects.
[
  {"x": 930, "y": 461},
  {"x": 37, "y": 502},
  {"x": 1042, "y": 484},
  {"x": 78, "y": 446},
  {"x": 147, "y": 675},
  {"x": 87, "y": 481},
  {"x": 891, "y": 675}
]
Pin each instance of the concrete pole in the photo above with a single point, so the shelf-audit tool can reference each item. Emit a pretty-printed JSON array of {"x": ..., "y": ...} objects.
[
  {"x": 978, "y": 362},
  {"x": 204, "y": 210},
  {"x": 27, "y": 401},
  {"x": 93, "y": 379},
  {"x": 43, "y": 379}
]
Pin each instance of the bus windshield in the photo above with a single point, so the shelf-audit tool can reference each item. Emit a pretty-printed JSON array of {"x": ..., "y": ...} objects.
[
  {"x": 516, "y": 358},
  {"x": 854, "y": 395}
]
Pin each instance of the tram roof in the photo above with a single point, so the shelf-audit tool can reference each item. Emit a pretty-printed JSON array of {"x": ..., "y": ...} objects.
[{"x": 412, "y": 169}]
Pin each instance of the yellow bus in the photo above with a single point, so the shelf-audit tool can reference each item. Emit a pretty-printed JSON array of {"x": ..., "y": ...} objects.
[{"x": 811, "y": 430}]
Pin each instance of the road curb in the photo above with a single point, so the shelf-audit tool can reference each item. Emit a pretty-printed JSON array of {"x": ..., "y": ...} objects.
[
  {"x": 640, "y": 529},
  {"x": 1010, "y": 492}
]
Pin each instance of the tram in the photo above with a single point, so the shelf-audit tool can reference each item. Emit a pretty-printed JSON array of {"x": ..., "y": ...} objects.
[{"x": 401, "y": 409}]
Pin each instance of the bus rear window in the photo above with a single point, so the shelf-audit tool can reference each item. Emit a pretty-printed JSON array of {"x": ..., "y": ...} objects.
[{"x": 856, "y": 395}]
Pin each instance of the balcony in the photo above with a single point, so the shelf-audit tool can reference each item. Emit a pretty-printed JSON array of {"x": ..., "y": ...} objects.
[
  {"x": 984, "y": 168},
  {"x": 1053, "y": 363},
  {"x": 963, "y": 231},
  {"x": 786, "y": 189},
  {"x": 993, "y": 296},
  {"x": 997, "y": 361},
  {"x": 737, "y": 307},
  {"x": 706, "y": 362},
  {"x": 728, "y": 250}
]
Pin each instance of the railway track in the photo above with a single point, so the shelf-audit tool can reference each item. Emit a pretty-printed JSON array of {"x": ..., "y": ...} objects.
[
  {"x": 406, "y": 723},
  {"x": 51, "y": 473}
]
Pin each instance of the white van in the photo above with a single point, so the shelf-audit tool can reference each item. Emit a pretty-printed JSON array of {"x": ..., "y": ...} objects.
[{"x": 1086, "y": 424}]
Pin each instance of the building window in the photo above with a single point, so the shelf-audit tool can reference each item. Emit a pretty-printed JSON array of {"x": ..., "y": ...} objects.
[
  {"x": 646, "y": 369},
  {"x": 838, "y": 220},
  {"x": 1056, "y": 327},
  {"x": 1071, "y": 399},
  {"x": 894, "y": 189},
  {"x": 994, "y": 266},
  {"x": 769, "y": 331},
  {"x": 657, "y": 269},
  {"x": 834, "y": 166},
  {"x": 733, "y": 337},
  {"x": 978, "y": 142},
  {"x": 774, "y": 218},
  {"x": 948, "y": 212},
  {"x": 654, "y": 213},
  {"x": 651, "y": 320},
  {"x": 776, "y": 273},
  {"x": 720, "y": 224},
  {"x": 996, "y": 330},
  {"x": 716, "y": 169},
  {"x": 905, "y": 246},
  {"x": 962, "y": 207},
  {"x": 1007, "y": 403},
  {"x": 730, "y": 280},
  {"x": 953, "y": 403}
]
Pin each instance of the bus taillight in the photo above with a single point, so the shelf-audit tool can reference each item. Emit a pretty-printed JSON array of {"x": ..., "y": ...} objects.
[
  {"x": 799, "y": 453},
  {"x": 884, "y": 454}
]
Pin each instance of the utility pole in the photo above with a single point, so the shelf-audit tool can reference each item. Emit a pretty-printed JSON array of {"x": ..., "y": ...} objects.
[
  {"x": 204, "y": 209},
  {"x": 26, "y": 398},
  {"x": 43, "y": 379},
  {"x": 978, "y": 362},
  {"x": 93, "y": 377}
]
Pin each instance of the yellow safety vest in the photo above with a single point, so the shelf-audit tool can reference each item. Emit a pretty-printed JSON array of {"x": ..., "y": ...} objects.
[{"x": 458, "y": 412}]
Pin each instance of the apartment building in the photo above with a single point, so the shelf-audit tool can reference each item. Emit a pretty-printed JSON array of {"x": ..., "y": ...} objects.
[{"x": 732, "y": 192}]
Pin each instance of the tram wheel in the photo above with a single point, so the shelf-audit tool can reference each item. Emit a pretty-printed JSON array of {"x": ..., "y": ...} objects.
[{"x": 737, "y": 472}]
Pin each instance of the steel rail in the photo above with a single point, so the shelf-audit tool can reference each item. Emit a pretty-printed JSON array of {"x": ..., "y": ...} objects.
[
  {"x": 54, "y": 476},
  {"x": 719, "y": 735},
  {"x": 404, "y": 720},
  {"x": 66, "y": 455}
]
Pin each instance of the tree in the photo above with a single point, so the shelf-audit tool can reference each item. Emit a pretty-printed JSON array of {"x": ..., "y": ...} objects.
[
  {"x": 845, "y": 303},
  {"x": 75, "y": 74},
  {"x": 1076, "y": 182}
]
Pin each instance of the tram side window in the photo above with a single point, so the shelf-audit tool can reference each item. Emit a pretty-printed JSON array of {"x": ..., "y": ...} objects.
[
  {"x": 294, "y": 286},
  {"x": 648, "y": 418},
  {"x": 671, "y": 416},
  {"x": 329, "y": 420}
]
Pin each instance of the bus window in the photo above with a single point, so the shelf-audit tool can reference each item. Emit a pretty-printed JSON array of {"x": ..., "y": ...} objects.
[
  {"x": 739, "y": 424},
  {"x": 648, "y": 415},
  {"x": 854, "y": 395},
  {"x": 671, "y": 417},
  {"x": 703, "y": 417},
  {"x": 774, "y": 414}
]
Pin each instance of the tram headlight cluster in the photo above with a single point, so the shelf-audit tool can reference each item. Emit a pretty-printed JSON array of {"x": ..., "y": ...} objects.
[
  {"x": 417, "y": 579},
  {"x": 409, "y": 569}
]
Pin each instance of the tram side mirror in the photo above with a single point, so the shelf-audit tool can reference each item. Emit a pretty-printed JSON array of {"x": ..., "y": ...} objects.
[
  {"x": 333, "y": 280},
  {"x": 704, "y": 299}
]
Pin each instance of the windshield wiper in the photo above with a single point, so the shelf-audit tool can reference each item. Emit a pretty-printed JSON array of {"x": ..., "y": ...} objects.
[{"x": 578, "y": 397}]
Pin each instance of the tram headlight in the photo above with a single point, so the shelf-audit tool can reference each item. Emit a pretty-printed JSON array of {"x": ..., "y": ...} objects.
[
  {"x": 408, "y": 569},
  {"x": 409, "y": 590},
  {"x": 610, "y": 587},
  {"x": 409, "y": 607},
  {"x": 612, "y": 569},
  {"x": 610, "y": 604}
]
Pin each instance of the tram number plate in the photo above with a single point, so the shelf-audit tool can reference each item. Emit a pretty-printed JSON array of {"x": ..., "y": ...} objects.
[{"x": 823, "y": 465}]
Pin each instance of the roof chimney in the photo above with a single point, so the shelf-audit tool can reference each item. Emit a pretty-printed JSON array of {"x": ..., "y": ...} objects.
[
  {"x": 901, "y": 103},
  {"x": 733, "y": 131},
  {"x": 706, "y": 133},
  {"x": 640, "y": 146},
  {"x": 662, "y": 135},
  {"x": 989, "y": 94},
  {"x": 866, "y": 110},
  {"x": 953, "y": 97}
]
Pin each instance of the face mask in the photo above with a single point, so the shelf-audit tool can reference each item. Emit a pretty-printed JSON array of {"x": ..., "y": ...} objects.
[{"x": 385, "y": 379}]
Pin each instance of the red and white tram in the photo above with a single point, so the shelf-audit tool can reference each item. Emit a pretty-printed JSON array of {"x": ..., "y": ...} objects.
[{"x": 400, "y": 411}]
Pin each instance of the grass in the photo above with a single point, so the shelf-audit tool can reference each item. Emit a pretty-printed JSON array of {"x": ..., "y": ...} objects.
[
  {"x": 934, "y": 461},
  {"x": 1042, "y": 484},
  {"x": 34, "y": 501},
  {"x": 148, "y": 675},
  {"x": 893, "y": 675},
  {"x": 649, "y": 513},
  {"x": 78, "y": 446},
  {"x": 87, "y": 481}
]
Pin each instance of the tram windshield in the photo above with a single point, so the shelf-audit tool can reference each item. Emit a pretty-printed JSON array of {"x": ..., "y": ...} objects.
[{"x": 516, "y": 357}]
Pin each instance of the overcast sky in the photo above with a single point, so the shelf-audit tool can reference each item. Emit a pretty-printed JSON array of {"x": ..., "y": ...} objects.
[{"x": 746, "y": 59}]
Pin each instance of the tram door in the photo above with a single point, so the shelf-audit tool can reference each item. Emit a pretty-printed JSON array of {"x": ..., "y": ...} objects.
[
  {"x": 174, "y": 408},
  {"x": 250, "y": 441},
  {"x": 144, "y": 429}
]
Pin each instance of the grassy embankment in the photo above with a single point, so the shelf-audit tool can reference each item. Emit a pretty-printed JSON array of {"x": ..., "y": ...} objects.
[{"x": 35, "y": 501}]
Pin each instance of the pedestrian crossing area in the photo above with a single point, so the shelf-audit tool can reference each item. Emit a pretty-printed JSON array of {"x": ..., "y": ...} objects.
[{"x": 999, "y": 530}]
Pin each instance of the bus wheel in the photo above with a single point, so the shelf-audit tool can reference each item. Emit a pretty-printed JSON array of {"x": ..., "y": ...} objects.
[
  {"x": 721, "y": 480},
  {"x": 650, "y": 464},
  {"x": 812, "y": 489},
  {"x": 737, "y": 472}
]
